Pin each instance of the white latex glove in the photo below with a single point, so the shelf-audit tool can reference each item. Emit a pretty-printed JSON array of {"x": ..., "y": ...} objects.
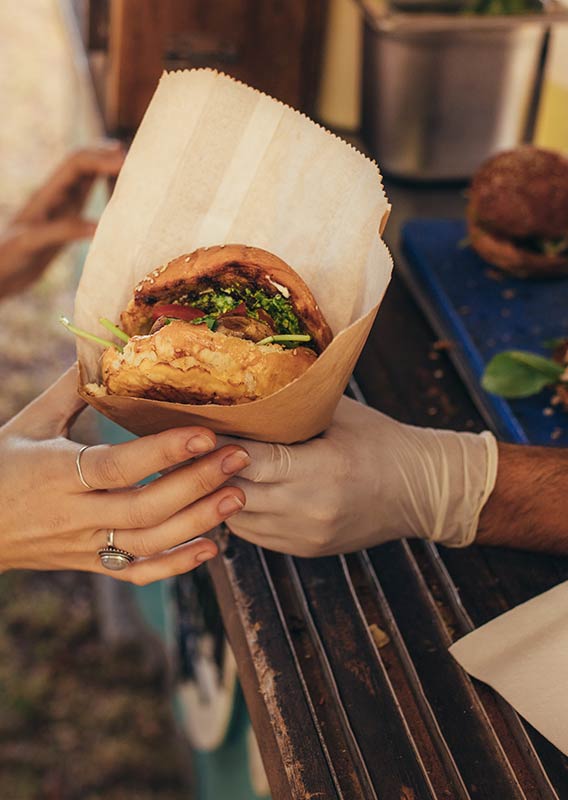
[{"x": 368, "y": 479}]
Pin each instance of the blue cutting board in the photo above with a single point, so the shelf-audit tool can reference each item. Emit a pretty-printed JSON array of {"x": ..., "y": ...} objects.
[{"x": 482, "y": 312}]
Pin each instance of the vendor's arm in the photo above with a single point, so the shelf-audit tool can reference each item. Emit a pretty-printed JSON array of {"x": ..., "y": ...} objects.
[
  {"x": 529, "y": 506},
  {"x": 370, "y": 479}
]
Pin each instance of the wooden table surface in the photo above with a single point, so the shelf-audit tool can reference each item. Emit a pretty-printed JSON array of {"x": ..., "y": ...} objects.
[{"x": 342, "y": 710}]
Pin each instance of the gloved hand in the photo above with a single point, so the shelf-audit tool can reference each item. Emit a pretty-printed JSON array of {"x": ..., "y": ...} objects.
[{"x": 368, "y": 479}]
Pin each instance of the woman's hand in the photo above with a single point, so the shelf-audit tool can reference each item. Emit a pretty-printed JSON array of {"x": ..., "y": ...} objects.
[
  {"x": 51, "y": 521},
  {"x": 368, "y": 479},
  {"x": 52, "y": 216}
]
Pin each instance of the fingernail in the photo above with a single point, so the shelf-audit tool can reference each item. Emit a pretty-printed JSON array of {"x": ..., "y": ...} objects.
[
  {"x": 200, "y": 444},
  {"x": 235, "y": 461},
  {"x": 206, "y": 555},
  {"x": 230, "y": 505}
]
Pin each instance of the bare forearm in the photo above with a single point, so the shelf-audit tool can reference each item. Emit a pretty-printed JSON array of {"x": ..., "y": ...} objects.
[{"x": 528, "y": 508}]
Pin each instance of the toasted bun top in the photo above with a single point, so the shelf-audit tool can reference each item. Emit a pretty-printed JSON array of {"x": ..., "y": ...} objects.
[
  {"x": 522, "y": 193},
  {"x": 222, "y": 266}
]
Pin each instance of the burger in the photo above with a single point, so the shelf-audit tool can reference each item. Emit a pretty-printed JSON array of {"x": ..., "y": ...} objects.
[
  {"x": 226, "y": 324},
  {"x": 518, "y": 212}
]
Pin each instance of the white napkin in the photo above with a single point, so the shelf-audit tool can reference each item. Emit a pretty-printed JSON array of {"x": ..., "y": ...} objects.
[{"x": 523, "y": 654}]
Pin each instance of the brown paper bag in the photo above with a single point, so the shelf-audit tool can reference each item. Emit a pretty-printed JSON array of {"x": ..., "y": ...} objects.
[{"x": 216, "y": 162}]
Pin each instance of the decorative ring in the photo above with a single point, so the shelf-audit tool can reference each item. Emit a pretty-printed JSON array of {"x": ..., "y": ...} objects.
[
  {"x": 113, "y": 558},
  {"x": 79, "y": 470}
]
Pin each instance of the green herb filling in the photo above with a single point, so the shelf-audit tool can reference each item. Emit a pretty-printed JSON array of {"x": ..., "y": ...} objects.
[{"x": 218, "y": 301}]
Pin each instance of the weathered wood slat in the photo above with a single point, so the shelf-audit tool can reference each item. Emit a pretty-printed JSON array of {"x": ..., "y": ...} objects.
[
  {"x": 332, "y": 720},
  {"x": 471, "y": 733},
  {"x": 370, "y": 702},
  {"x": 434, "y": 751},
  {"x": 525, "y": 756},
  {"x": 289, "y": 743}
]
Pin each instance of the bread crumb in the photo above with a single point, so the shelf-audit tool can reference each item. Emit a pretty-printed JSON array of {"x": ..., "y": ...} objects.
[
  {"x": 443, "y": 344},
  {"x": 380, "y": 637}
]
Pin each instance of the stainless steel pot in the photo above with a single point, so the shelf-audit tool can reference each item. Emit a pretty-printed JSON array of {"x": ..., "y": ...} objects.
[{"x": 443, "y": 92}]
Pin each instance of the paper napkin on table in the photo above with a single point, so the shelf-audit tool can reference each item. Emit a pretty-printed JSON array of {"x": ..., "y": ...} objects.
[{"x": 523, "y": 654}]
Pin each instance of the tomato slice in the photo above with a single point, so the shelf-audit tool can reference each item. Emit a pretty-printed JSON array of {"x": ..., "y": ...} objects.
[
  {"x": 176, "y": 312},
  {"x": 238, "y": 311}
]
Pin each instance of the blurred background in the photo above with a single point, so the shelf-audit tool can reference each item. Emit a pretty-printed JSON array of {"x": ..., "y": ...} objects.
[{"x": 90, "y": 707}]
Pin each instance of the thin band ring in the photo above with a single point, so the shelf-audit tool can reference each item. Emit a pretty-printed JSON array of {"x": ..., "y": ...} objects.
[{"x": 79, "y": 470}]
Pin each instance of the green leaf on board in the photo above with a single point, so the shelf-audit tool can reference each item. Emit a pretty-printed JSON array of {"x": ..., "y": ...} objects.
[{"x": 516, "y": 373}]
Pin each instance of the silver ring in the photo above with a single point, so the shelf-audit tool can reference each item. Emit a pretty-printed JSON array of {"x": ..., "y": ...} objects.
[
  {"x": 79, "y": 470},
  {"x": 113, "y": 558}
]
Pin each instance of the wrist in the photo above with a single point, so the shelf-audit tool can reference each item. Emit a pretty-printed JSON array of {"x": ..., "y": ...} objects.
[
  {"x": 481, "y": 474},
  {"x": 453, "y": 477},
  {"x": 528, "y": 506}
]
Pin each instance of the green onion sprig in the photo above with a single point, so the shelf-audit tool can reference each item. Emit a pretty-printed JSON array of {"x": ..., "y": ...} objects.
[
  {"x": 286, "y": 337},
  {"x": 118, "y": 332},
  {"x": 86, "y": 335}
]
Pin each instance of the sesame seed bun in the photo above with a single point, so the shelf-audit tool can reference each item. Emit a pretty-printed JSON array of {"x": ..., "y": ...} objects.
[{"x": 189, "y": 363}]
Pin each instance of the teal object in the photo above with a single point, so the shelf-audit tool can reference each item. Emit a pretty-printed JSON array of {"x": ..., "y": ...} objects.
[{"x": 223, "y": 773}]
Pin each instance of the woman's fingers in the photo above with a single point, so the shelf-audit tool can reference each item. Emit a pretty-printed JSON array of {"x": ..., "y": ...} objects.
[
  {"x": 152, "y": 504},
  {"x": 271, "y": 462},
  {"x": 174, "y": 562},
  {"x": 266, "y": 498},
  {"x": 80, "y": 167},
  {"x": 55, "y": 234},
  {"x": 121, "y": 465},
  {"x": 200, "y": 517}
]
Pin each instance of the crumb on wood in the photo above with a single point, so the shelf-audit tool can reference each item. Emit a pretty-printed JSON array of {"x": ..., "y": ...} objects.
[
  {"x": 443, "y": 344},
  {"x": 494, "y": 275},
  {"x": 380, "y": 637}
]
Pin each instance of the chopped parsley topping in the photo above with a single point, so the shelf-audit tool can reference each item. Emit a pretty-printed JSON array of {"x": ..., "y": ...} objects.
[{"x": 218, "y": 301}]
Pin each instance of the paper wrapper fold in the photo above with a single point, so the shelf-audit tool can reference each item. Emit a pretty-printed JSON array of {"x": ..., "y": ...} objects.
[
  {"x": 523, "y": 654},
  {"x": 215, "y": 162}
]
